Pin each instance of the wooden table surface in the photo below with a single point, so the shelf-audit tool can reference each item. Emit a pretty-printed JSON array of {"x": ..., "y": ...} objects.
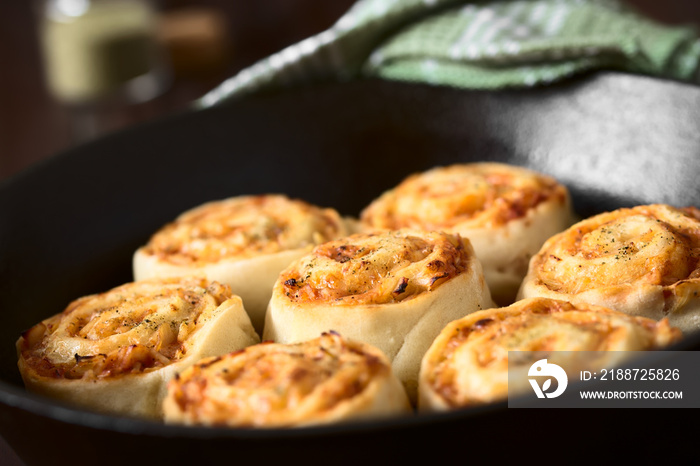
[{"x": 33, "y": 126}]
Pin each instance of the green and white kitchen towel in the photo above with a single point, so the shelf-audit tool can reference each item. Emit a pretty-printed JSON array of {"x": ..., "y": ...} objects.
[{"x": 475, "y": 45}]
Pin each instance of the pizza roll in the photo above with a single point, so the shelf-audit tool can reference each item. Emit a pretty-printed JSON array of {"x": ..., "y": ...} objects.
[
  {"x": 641, "y": 261},
  {"x": 467, "y": 364},
  {"x": 392, "y": 289},
  {"x": 507, "y": 212},
  {"x": 114, "y": 352},
  {"x": 325, "y": 380},
  {"x": 243, "y": 242}
]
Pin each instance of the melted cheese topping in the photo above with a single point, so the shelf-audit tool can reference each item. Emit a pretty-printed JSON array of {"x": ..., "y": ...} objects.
[
  {"x": 470, "y": 196},
  {"x": 375, "y": 268},
  {"x": 243, "y": 227},
  {"x": 468, "y": 363},
  {"x": 133, "y": 328},
  {"x": 654, "y": 245},
  {"x": 276, "y": 385}
]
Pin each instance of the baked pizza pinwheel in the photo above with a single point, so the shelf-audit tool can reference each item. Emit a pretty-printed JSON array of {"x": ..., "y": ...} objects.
[
  {"x": 325, "y": 380},
  {"x": 114, "y": 352},
  {"x": 467, "y": 364},
  {"x": 243, "y": 242},
  {"x": 391, "y": 289},
  {"x": 641, "y": 261},
  {"x": 507, "y": 212}
]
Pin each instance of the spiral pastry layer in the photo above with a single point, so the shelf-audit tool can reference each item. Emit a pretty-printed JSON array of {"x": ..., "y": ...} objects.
[
  {"x": 641, "y": 261},
  {"x": 391, "y": 289},
  {"x": 114, "y": 352},
  {"x": 325, "y": 380},
  {"x": 243, "y": 242},
  {"x": 507, "y": 212},
  {"x": 467, "y": 364}
]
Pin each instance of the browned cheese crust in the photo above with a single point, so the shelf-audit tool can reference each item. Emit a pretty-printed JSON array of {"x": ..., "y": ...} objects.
[
  {"x": 327, "y": 379},
  {"x": 375, "y": 268},
  {"x": 129, "y": 329},
  {"x": 241, "y": 227},
  {"x": 478, "y": 194},
  {"x": 641, "y": 260},
  {"x": 468, "y": 362}
]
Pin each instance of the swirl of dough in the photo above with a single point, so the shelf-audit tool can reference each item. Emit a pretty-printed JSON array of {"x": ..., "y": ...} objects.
[
  {"x": 467, "y": 364},
  {"x": 243, "y": 242},
  {"x": 375, "y": 268},
  {"x": 507, "y": 212},
  {"x": 641, "y": 261},
  {"x": 241, "y": 227},
  {"x": 105, "y": 348},
  {"x": 393, "y": 289},
  {"x": 324, "y": 380}
]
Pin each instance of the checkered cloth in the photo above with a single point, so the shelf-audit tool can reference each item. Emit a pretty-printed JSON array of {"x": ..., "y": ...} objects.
[{"x": 475, "y": 45}]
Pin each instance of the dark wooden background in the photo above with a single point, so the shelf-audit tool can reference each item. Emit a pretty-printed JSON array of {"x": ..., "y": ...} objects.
[{"x": 33, "y": 126}]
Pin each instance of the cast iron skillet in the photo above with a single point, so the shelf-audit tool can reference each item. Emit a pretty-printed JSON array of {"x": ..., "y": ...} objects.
[{"x": 68, "y": 228}]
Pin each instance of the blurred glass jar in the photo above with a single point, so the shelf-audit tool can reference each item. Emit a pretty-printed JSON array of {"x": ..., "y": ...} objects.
[{"x": 101, "y": 49}]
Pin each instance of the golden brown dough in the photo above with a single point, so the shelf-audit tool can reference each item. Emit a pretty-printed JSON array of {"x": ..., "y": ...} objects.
[
  {"x": 507, "y": 212},
  {"x": 325, "y": 380},
  {"x": 243, "y": 242},
  {"x": 641, "y": 261},
  {"x": 114, "y": 352},
  {"x": 468, "y": 362},
  {"x": 392, "y": 289}
]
